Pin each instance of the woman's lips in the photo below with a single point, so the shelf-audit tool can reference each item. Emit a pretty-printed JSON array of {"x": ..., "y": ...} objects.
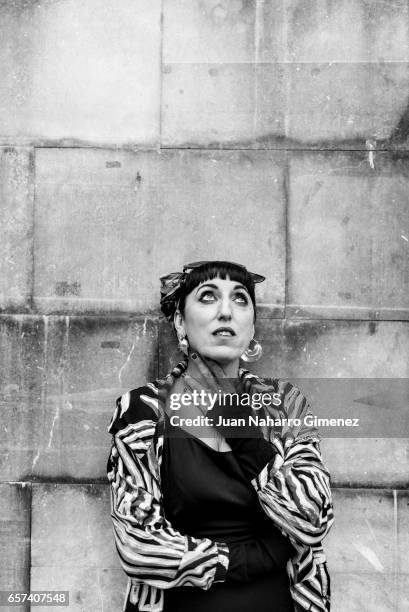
[
  {"x": 223, "y": 335},
  {"x": 224, "y": 331}
]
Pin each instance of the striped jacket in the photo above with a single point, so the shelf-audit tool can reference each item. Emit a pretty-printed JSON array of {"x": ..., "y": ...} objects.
[{"x": 293, "y": 490}]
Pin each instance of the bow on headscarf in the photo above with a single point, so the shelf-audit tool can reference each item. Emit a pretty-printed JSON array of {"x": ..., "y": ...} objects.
[
  {"x": 170, "y": 292},
  {"x": 172, "y": 285}
]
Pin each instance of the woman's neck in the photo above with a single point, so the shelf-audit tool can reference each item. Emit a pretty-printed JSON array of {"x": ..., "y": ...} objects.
[{"x": 231, "y": 369}]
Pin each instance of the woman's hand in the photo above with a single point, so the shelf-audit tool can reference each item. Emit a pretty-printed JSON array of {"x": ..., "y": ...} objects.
[
  {"x": 227, "y": 399},
  {"x": 211, "y": 375}
]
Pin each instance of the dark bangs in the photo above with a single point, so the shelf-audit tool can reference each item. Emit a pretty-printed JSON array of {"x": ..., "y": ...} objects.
[{"x": 222, "y": 269}]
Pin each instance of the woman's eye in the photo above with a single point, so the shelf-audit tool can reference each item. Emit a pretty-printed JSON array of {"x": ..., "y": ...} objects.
[
  {"x": 209, "y": 296},
  {"x": 206, "y": 293},
  {"x": 242, "y": 297}
]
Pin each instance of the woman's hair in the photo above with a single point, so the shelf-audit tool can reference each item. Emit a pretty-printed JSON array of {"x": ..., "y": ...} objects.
[{"x": 210, "y": 270}]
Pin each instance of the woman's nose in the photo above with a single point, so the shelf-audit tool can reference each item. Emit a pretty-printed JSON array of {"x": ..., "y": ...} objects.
[{"x": 225, "y": 311}]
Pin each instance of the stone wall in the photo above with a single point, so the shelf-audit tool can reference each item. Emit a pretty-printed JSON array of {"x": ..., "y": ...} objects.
[{"x": 138, "y": 135}]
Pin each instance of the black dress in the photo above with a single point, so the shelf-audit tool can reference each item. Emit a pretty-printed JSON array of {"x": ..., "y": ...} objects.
[{"x": 206, "y": 493}]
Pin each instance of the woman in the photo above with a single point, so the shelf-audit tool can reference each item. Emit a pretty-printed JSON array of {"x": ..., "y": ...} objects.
[{"x": 228, "y": 517}]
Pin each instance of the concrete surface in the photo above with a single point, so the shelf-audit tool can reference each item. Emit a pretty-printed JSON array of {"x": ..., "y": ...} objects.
[
  {"x": 72, "y": 546},
  {"x": 348, "y": 219},
  {"x": 16, "y": 227},
  {"x": 68, "y": 66},
  {"x": 60, "y": 379},
  {"x": 135, "y": 137},
  {"x": 15, "y": 511},
  {"x": 367, "y": 564},
  {"x": 321, "y": 74},
  {"x": 123, "y": 213}
]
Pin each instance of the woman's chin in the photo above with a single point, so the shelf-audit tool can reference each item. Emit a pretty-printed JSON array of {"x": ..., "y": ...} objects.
[{"x": 221, "y": 354}]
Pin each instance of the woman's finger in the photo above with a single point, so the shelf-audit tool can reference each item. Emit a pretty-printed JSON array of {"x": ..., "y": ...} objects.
[
  {"x": 193, "y": 385},
  {"x": 199, "y": 384},
  {"x": 202, "y": 383},
  {"x": 211, "y": 376}
]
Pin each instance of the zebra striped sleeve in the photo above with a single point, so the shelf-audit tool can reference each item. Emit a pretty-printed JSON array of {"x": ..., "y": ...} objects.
[
  {"x": 150, "y": 549},
  {"x": 297, "y": 496},
  {"x": 294, "y": 487}
]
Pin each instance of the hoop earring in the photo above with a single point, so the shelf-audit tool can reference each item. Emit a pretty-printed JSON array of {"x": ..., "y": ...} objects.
[
  {"x": 183, "y": 344},
  {"x": 254, "y": 353}
]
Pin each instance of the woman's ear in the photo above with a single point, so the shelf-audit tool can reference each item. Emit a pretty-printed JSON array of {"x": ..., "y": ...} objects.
[{"x": 178, "y": 323}]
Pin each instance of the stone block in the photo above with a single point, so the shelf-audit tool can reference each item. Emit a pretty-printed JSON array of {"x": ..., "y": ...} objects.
[
  {"x": 76, "y": 553},
  {"x": 100, "y": 244},
  {"x": 403, "y": 592},
  {"x": 360, "y": 462},
  {"x": 82, "y": 72},
  {"x": 212, "y": 105},
  {"x": 348, "y": 246},
  {"x": 102, "y": 358},
  {"x": 403, "y": 533},
  {"x": 90, "y": 590},
  {"x": 61, "y": 377},
  {"x": 362, "y": 538},
  {"x": 347, "y": 31},
  {"x": 16, "y": 214},
  {"x": 71, "y": 526},
  {"x": 374, "y": 592},
  {"x": 347, "y": 104},
  {"x": 333, "y": 349},
  {"x": 95, "y": 230},
  {"x": 211, "y": 32},
  {"x": 15, "y": 506},
  {"x": 22, "y": 390},
  {"x": 15, "y": 60}
]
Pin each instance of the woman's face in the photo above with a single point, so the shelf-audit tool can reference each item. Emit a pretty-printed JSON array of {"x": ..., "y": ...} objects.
[{"x": 216, "y": 304}]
